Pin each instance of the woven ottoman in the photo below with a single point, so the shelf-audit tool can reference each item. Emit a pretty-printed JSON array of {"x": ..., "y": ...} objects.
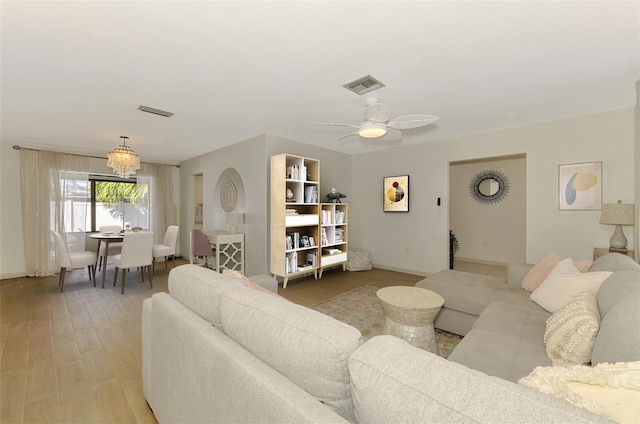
[{"x": 358, "y": 260}]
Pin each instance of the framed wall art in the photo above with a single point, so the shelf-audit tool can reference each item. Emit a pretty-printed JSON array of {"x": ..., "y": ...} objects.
[
  {"x": 396, "y": 193},
  {"x": 580, "y": 186}
]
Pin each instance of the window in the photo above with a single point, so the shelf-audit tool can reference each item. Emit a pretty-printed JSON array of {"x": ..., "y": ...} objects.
[
  {"x": 118, "y": 202},
  {"x": 89, "y": 205}
]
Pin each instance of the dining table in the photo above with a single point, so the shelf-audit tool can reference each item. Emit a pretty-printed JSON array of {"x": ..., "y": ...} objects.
[{"x": 106, "y": 238}]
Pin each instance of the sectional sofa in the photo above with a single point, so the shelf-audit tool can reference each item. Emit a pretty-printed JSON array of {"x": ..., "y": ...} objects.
[{"x": 216, "y": 350}]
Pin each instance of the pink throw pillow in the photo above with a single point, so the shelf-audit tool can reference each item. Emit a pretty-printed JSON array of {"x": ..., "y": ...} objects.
[
  {"x": 540, "y": 271},
  {"x": 250, "y": 284}
]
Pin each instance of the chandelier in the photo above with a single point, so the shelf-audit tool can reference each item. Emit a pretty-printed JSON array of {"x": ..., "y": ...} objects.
[{"x": 124, "y": 161}]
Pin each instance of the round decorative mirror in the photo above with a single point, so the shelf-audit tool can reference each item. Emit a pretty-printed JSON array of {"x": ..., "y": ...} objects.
[{"x": 489, "y": 186}]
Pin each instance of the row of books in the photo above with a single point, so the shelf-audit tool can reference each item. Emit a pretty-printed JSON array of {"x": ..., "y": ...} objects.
[
  {"x": 339, "y": 235},
  {"x": 296, "y": 172},
  {"x": 323, "y": 237},
  {"x": 297, "y": 241},
  {"x": 291, "y": 262},
  {"x": 311, "y": 194},
  {"x": 328, "y": 217}
]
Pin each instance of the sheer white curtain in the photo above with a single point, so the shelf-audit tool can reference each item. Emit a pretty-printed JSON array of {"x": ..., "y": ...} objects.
[
  {"x": 160, "y": 180},
  {"x": 46, "y": 182}
]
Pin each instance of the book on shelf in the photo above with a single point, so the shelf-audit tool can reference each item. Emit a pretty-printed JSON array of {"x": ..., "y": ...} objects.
[
  {"x": 311, "y": 194},
  {"x": 339, "y": 217},
  {"x": 312, "y": 259},
  {"x": 291, "y": 212},
  {"x": 331, "y": 251},
  {"x": 291, "y": 262},
  {"x": 297, "y": 172},
  {"x": 323, "y": 237}
]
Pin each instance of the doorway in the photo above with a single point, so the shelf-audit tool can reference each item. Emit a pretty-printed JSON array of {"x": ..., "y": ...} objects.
[{"x": 490, "y": 229}]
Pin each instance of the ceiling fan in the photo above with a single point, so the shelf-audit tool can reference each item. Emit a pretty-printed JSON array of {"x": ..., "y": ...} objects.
[{"x": 377, "y": 124}]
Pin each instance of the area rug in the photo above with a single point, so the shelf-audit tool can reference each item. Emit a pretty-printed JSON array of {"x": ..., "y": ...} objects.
[{"x": 361, "y": 309}]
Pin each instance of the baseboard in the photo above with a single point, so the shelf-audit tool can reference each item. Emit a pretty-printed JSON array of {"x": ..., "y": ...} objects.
[
  {"x": 480, "y": 261},
  {"x": 403, "y": 270},
  {"x": 12, "y": 275}
]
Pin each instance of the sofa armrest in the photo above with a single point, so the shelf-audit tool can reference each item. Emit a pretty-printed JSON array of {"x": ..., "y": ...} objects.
[
  {"x": 517, "y": 272},
  {"x": 394, "y": 382}
]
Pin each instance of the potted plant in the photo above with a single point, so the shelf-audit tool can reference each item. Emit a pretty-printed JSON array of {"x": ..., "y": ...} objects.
[{"x": 454, "y": 245}]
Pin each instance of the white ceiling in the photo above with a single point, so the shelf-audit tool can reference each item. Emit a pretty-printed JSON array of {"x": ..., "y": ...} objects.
[{"x": 74, "y": 73}]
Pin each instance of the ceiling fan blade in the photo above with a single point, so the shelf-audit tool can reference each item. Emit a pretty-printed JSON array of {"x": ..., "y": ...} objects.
[
  {"x": 338, "y": 124},
  {"x": 405, "y": 122},
  {"x": 376, "y": 112},
  {"x": 348, "y": 135},
  {"x": 391, "y": 135}
]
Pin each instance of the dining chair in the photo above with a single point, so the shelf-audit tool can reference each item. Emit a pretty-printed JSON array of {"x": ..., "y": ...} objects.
[
  {"x": 114, "y": 248},
  {"x": 167, "y": 248},
  {"x": 200, "y": 247},
  {"x": 72, "y": 260},
  {"x": 136, "y": 252}
]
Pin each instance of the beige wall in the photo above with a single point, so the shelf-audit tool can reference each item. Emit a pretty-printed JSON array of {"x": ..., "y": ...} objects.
[
  {"x": 489, "y": 232},
  {"x": 250, "y": 159},
  {"x": 418, "y": 241}
]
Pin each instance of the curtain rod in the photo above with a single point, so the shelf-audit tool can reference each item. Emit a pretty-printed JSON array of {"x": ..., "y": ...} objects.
[{"x": 16, "y": 147}]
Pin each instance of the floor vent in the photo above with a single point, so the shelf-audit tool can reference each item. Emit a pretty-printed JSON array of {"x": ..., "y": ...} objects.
[
  {"x": 155, "y": 111},
  {"x": 364, "y": 85}
]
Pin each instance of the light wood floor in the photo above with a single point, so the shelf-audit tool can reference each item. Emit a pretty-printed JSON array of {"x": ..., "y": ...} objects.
[{"x": 75, "y": 357}]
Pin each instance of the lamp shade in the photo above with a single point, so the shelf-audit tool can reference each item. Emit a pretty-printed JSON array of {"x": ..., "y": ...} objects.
[
  {"x": 232, "y": 218},
  {"x": 618, "y": 214}
]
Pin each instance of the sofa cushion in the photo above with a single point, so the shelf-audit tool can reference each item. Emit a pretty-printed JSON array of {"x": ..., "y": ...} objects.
[
  {"x": 462, "y": 291},
  {"x": 564, "y": 283},
  {"x": 615, "y": 262},
  {"x": 308, "y": 347},
  {"x": 200, "y": 289},
  {"x": 615, "y": 288},
  {"x": 394, "y": 382},
  {"x": 619, "y": 337},
  {"x": 571, "y": 331},
  {"x": 498, "y": 355}
]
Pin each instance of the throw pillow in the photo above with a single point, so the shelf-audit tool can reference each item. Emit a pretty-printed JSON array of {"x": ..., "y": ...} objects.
[
  {"x": 571, "y": 332},
  {"x": 543, "y": 268},
  {"x": 540, "y": 271},
  {"x": 564, "y": 283},
  {"x": 250, "y": 284},
  {"x": 610, "y": 390}
]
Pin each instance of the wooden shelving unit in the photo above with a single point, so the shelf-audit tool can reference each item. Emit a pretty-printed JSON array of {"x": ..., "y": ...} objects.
[
  {"x": 295, "y": 231},
  {"x": 333, "y": 235}
]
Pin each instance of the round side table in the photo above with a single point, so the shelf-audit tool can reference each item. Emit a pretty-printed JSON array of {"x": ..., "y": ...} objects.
[{"x": 410, "y": 312}]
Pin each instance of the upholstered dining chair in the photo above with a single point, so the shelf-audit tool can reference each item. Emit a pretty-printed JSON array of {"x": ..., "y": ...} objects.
[
  {"x": 167, "y": 248},
  {"x": 114, "y": 248},
  {"x": 136, "y": 252},
  {"x": 200, "y": 248},
  {"x": 71, "y": 260}
]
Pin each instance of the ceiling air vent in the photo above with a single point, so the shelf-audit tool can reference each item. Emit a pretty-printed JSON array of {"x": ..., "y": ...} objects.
[
  {"x": 364, "y": 85},
  {"x": 155, "y": 111}
]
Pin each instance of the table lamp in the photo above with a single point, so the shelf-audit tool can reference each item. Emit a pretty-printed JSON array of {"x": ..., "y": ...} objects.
[
  {"x": 618, "y": 214},
  {"x": 233, "y": 219}
]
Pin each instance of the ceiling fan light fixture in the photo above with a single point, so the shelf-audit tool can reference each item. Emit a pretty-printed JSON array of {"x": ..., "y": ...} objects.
[{"x": 369, "y": 130}]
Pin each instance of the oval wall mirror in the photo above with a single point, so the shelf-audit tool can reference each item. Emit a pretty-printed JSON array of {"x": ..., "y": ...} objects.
[{"x": 489, "y": 186}]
